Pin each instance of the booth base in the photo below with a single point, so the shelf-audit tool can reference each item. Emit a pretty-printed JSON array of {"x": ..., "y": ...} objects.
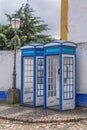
[
  {"x": 13, "y": 96},
  {"x": 56, "y": 108}
]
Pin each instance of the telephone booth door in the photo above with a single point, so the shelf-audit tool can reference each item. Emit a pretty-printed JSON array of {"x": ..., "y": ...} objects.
[
  {"x": 28, "y": 80},
  {"x": 52, "y": 81},
  {"x": 68, "y": 90}
]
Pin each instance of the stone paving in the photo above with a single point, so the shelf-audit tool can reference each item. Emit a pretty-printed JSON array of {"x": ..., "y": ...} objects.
[
  {"x": 14, "y": 125},
  {"x": 28, "y": 114},
  {"x": 15, "y": 117}
]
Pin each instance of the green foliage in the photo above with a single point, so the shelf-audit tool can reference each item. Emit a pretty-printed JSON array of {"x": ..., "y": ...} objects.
[
  {"x": 23, "y": 39},
  {"x": 15, "y": 40},
  {"x": 30, "y": 30},
  {"x": 3, "y": 41}
]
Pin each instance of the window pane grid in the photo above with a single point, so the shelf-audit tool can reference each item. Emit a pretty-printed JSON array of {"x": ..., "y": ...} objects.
[
  {"x": 52, "y": 63},
  {"x": 68, "y": 77},
  {"x": 28, "y": 75},
  {"x": 40, "y": 75}
]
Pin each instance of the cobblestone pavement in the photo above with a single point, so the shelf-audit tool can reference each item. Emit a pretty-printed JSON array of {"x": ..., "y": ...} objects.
[
  {"x": 14, "y": 125},
  {"x": 16, "y": 112},
  {"x": 17, "y": 117}
]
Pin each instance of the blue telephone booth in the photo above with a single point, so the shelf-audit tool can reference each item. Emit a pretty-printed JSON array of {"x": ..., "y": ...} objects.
[
  {"x": 32, "y": 74},
  {"x": 59, "y": 75}
]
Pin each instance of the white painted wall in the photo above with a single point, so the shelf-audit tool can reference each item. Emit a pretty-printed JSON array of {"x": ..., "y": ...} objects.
[
  {"x": 77, "y": 20},
  {"x": 6, "y": 69},
  {"x": 81, "y": 68}
]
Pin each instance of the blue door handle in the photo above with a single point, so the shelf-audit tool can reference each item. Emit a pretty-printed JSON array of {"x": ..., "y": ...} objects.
[
  {"x": 67, "y": 72},
  {"x": 58, "y": 71}
]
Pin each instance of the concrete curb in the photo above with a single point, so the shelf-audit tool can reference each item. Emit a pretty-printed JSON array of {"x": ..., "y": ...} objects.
[{"x": 43, "y": 121}]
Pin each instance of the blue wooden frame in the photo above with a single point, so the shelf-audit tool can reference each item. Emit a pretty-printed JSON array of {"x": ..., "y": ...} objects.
[
  {"x": 30, "y": 50},
  {"x": 58, "y": 48}
]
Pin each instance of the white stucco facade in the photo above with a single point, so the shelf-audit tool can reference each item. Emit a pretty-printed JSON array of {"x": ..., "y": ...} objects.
[
  {"x": 77, "y": 20},
  {"x": 81, "y": 68},
  {"x": 6, "y": 69}
]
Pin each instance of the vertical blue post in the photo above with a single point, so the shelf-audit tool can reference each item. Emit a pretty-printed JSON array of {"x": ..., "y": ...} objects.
[
  {"x": 60, "y": 105},
  {"x": 45, "y": 96},
  {"x": 34, "y": 92},
  {"x": 21, "y": 90},
  {"x": 75, "y": 81}
]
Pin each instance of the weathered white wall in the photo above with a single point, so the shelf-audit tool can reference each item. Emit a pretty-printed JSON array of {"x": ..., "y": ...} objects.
[
  {"x": 6, "y": 69},
  {"x": 81, "y": 68},
  {"x": 77, "y": 20}
]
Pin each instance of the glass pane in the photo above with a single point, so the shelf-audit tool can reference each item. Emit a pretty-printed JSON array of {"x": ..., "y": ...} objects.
[
  {"x": 31, "y": 85},
  {"x": 71, "y": 68},
  {"x": 51, "y": 93},
  {"x": 54, "y": 93},
  {"x": 38, "y": 92},
  {"x": 25, "y": 85},
  {"x": 48, "y": 93},
  {"x": 28, "y": 79},
  {"x": 71, "y": 96},
  {"x": 31, "y": 62},
  {"x": 31, "y": 79},
  {"x": 65, "y": 89},
  {"x": 54, "y": 86},
  {"x": 41, "y": 86},
  {"x": 71, "y": 60},
  {"x": 65, "y": 75},
  {"x": 51, "y": 87},
  {"x": 38, "y": 86},
  {"x": 25, "y": 79},
  {"x": 70, "y": 74},
  {"x": 65, "y": 96},
  {"x": 25, "y": 67},
  {"x": 38, "y": 67},
  {"x": 48, "y": 68},
  {"x": 31, "y": 89},
  {"x": 70, "y": 88},
  {"x": 25, "y": 62},
  {"x": 70, "y": 81},
  {"x": 31, "y": 68},
  {"x": 28, "y": 61},
  {"x": 41, "y": 92},
  {"x": 68, "y": 95}
]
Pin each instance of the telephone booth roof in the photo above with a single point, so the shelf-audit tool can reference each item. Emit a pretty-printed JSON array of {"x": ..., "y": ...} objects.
[
  {"x": 61, "y": 43},
  {"x": 32, "y": 49},
  {"x": 32, "y": 45},
  {"x": 60, "y": 47}
]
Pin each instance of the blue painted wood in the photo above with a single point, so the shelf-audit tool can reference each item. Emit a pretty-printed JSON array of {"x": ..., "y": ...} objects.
[
  {"x": 81, "y": 99},
  {"x": 3, "y": 94}
]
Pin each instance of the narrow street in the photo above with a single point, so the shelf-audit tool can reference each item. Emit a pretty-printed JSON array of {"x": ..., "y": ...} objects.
[{"x": 14, "y": 125}]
